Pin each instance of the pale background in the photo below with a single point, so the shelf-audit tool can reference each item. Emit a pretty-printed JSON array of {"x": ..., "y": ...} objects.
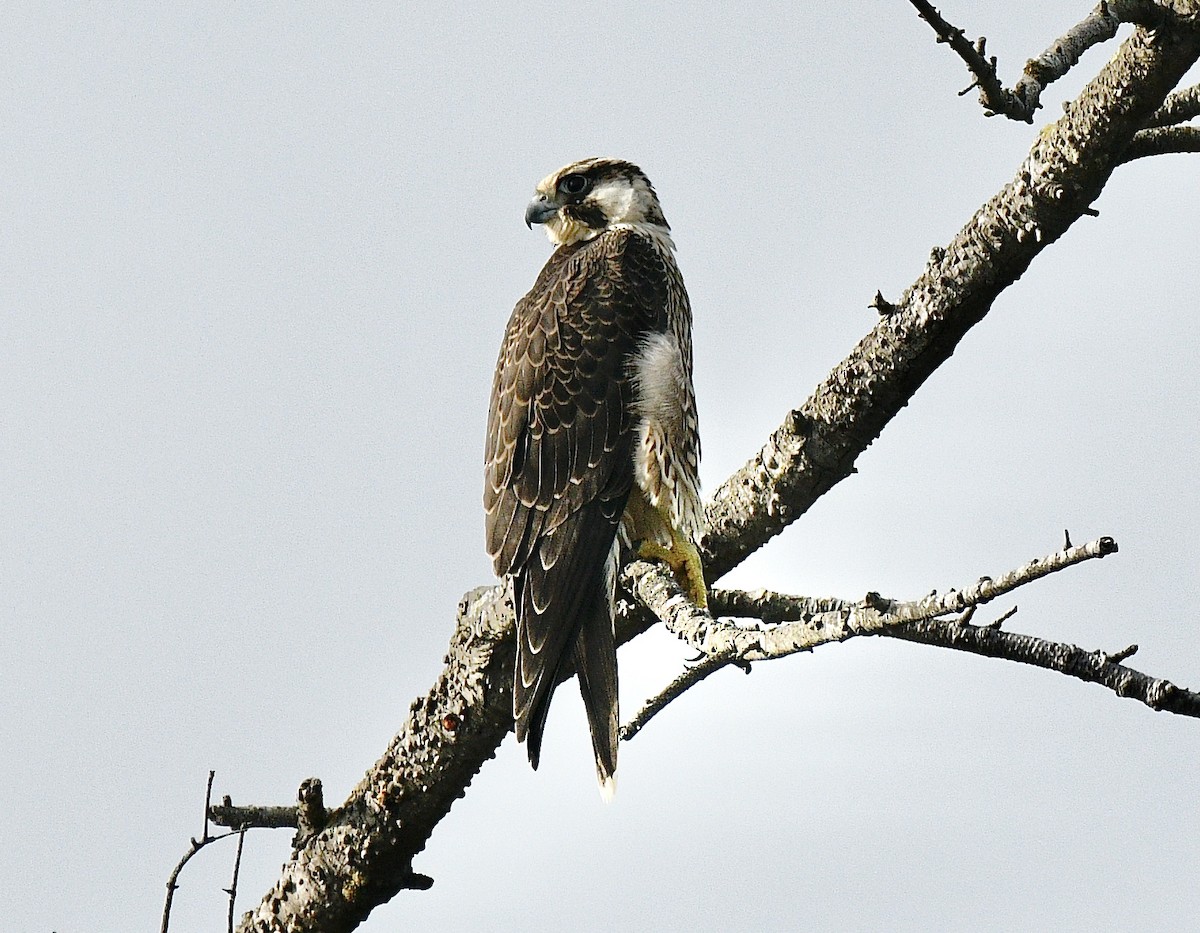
[{"x": 256, "y": 263}]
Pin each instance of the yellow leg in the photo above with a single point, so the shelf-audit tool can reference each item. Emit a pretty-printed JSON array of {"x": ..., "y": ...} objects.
[{"x": 684, "y": 560}]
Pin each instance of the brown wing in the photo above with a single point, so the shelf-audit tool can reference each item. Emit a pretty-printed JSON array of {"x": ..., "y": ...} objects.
[{"x": 559, "y": 463}]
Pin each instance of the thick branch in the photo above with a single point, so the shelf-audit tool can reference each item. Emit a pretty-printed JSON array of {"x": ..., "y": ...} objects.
[{"x": 363, "y": 856}]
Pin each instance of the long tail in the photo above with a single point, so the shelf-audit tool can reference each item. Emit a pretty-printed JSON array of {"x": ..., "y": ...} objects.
[
  {"x": 564, "y": 622},
  {"x": 596, "y": 664}
]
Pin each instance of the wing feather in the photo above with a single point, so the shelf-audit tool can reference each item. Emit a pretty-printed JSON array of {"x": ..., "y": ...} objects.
[{"x": 559, "y": 464}]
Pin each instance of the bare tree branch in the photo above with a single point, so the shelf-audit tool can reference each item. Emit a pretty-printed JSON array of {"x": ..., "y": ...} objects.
[
  {"x": 196, "y": 845},
  {"x": 1177, "y": 108},
  {"x": 800, "y": 629},
  {"x": 1024, "y": 100},
  {"x": 796, "y": 627},
  {"x": 232, "y": 889},
  {"x": 308, "y": 817},
  {"x": 994, "y": 96},
  {"x": 363, "y": 856},
  {"x": 226, "y": 814},
  {"x": 1021, "y": 102},
  {"x": 1091, "y": 666},
  {"x": 685, "y": 681},
  {"x": 1163, "y": 140},
  {"x": 770, "y": 606}
]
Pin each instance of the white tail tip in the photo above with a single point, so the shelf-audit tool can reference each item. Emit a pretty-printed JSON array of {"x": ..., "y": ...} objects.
[{"x": 608, "y": 788}]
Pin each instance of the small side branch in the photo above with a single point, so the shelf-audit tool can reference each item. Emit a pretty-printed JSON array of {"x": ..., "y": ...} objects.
[
  {"x": 1162, "y": 140},
  {"x": 795, "y": 626},
  {"x": 1092, "y": 666},
  {"x": 196, "y": 845},
  {"x": 226, "y": 814},
  {"x": 685, "y": 681},
  {"x": 308, "y": 817},
  {"x": 1177, "y": 108},
  {"x": 785, "y": 625},
  {"x": 1024, "y": 99},
  {"x": 994, "y": 96},
  {"x": 232, "y": 889},
  {"x": 987, "y": 589}
]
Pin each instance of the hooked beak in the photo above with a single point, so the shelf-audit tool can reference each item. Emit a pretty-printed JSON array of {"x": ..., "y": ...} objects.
[{"x": 540, "y": 209}]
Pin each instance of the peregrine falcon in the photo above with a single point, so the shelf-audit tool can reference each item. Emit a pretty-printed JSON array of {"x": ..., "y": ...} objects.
[{"x": 592, "y": 438}]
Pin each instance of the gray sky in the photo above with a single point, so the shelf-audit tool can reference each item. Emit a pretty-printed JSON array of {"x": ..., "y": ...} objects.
[{"x": 256, "y": 266}]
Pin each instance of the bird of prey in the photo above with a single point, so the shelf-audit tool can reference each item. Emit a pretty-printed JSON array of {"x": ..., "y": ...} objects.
[{"x": 592, "y": 439}]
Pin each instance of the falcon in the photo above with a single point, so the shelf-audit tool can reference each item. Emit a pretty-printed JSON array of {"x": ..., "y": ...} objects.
[{"x": 592, "y": 440}]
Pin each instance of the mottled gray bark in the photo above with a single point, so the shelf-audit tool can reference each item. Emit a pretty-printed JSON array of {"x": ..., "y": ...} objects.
[
  {"x": 764, "y": 626},
  {"x": 788, "y": 629},
  {"x": 363, "y": 855}
]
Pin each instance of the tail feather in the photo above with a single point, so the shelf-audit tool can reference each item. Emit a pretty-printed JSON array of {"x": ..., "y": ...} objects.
[
  {"x": 531, "y": 720},
  {"x": 596, "y": 664},
  {"x": 564, "y": 621}
]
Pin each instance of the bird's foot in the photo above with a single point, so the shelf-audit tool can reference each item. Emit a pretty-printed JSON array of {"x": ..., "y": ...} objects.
[{"x": 684, "y": 561}]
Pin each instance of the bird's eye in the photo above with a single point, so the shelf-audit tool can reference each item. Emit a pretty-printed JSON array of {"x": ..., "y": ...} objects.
[{"x": 573, "y": 184}]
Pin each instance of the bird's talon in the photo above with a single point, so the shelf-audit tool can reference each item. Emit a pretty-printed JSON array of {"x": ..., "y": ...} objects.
[{"x": 684, "y": 562}]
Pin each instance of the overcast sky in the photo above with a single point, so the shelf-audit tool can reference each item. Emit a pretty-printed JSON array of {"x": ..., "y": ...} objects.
[{"x": 256, "y": 264}]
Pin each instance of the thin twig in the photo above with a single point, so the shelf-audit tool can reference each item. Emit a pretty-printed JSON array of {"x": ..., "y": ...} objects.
[
  {"x": 173, "y": 886},
  {"x": 685, "y": 681},
  {"x": 208, "y": 799},
  {"x": 196, "y": 846},
  {"x": 237, "y": 865},
  {"x": 999, "y": 621}
]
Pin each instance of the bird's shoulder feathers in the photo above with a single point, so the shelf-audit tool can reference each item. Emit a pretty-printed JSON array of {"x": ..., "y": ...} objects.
[{"x": 560, "y": 424}]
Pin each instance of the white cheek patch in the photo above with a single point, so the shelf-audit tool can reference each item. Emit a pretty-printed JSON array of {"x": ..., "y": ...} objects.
[{"x": 616, "y": 199}]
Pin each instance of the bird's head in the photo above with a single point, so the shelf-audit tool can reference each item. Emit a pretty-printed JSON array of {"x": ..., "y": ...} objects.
[{"x": 582, "y": 200}]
